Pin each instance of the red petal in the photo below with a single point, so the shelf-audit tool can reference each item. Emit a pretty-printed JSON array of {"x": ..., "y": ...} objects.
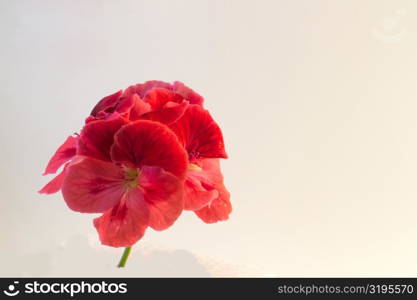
[
  {"x": 164, "y": 196},
  {"x": 178, "y": 87},
  {"x": 97, "y": 137},
  {"x": 139, "y": 108},
  {"x": 125, "y": 105},
  {"x": 147, "y": 143},
  {"x": 169, "y": 114},
  {"x": 92, "y": 185},
  {"x": 54, "y": 185},
  {"x": 107, "y": 103},
  {"x": 187, "y": 93},
  {"x": 143, "y": 88},
  {"x": 124, "y": 224},
  {"x": 158, "y": 97},
  {"x": 218, "y": 210},
  {"x": 199, "y": 134},
  {"x": 64, "y": 153}
]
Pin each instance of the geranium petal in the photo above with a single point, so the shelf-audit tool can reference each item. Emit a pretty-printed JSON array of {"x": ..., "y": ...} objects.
[
  {"x": 200, "y": 135},
  {"x": 107, "y": 104},
  {"x": 187, "y": 93},
  {"x": 178, "y": 87},
  {"x": 219, "y": 209},
  {"x": 143, "y": 88},
  {"x": 211, "y": 168},
  {"x": 64, "y": 153},
  {"x": 148, "y": 143},
  {"x": 164, "y": 196},
  {"x": 124, "y": 224},
  {"x": 158, "y": 97},
  {"x": 92, "y": 185},
  {"x": 97, "y": 137},
  {"x": 169, "y": 114},
  {"x": 139, "y": 108},
  {"x": 125, "y": 105},
  {"x": 54, "y": 185},
  {"x": 200, "y": 184},
  {"x": 197, "y": 195}
]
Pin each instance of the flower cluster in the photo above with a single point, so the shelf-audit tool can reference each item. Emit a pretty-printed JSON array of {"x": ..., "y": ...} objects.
[{"x": 144, "y": 155}]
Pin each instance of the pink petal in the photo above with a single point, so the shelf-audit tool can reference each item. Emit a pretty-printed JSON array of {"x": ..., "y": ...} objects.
[
  {"x": 64, "y": 153},
  {"x": 139, "y": 108},
  {"x": 196, "y": 196},
  {"x": 143, "y": 88},
  {"x": 218, "y": 210},
  {"x": 199, "y": 187},
  {"x": 97, "y": 137},
  {"x": 187, "y": 93},
  {"x": 220, "y": 207},
  {"x": 92, "y": 185},
  {"x": 124, "y": 224},
  {"x": 147, "y": 143},
  {"x": 163, "y": 193},
  {"x": 178, "y": 87}
]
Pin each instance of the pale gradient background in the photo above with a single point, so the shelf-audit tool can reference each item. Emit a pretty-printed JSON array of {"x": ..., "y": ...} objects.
[{"x": 317, "y": 101}]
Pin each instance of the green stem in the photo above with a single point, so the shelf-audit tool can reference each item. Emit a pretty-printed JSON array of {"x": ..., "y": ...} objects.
[{"x": 124, "y": 257}]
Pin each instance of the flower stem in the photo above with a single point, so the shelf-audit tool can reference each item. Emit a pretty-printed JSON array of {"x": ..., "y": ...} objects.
[{"x": 124, "y": 257}]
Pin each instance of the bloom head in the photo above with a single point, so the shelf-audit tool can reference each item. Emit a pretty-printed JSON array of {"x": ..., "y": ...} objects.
[{"x": 143, "y": 156}]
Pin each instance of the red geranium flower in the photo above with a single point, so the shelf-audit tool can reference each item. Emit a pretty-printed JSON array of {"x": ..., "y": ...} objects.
[
  {"x": 144, "y": 155},
  {"x": 132, "y": 173}
]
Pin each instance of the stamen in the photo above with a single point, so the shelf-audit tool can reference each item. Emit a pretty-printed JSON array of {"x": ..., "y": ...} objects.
[
  {"x": 131, "y": 176},
  {"x": 194, "y": 167}
]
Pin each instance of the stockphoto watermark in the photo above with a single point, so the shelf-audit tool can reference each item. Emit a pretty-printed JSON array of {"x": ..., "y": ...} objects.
[{"x": 68, "y": 288}]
